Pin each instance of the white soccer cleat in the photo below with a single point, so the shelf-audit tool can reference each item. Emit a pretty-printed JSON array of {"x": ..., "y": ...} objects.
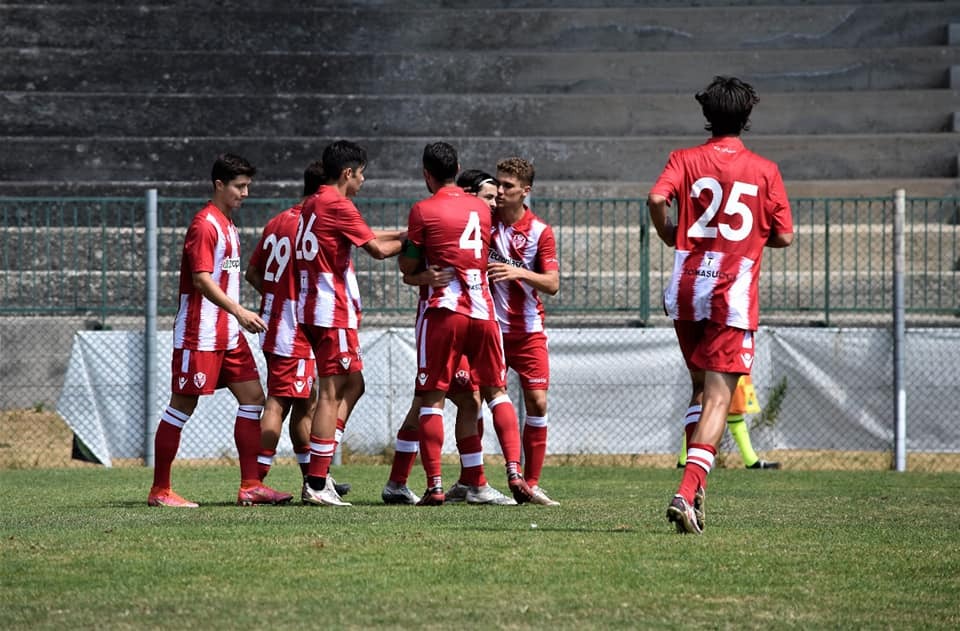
[
  {"x": 327, "y": 496},
  {"x": 394, "y": 493},
  {"x": 486, "y": 494},
  {"x": 539, "y": 496},
  {"x": 457, "y": 493}
]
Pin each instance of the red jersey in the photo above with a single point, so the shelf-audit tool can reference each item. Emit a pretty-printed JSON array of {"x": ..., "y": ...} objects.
[
  {"x": 273, "y": 258},
  {"x": 330, "y": 225},
  {"x": 528, "y": 243},
  {"x": 729, "y": 201},
  {"x": 452, "y": 229},
  {"x": 211, "y": 245}
]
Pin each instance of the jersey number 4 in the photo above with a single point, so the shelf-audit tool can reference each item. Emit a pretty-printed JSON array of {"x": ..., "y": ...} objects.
[
  {"x": 472, "y": 238},
  {"x": 701, "y": 229}
]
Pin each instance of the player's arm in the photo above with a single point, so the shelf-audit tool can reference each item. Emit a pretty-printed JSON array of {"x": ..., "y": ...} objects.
[
  {"x": 780, "y": 239},
  {"x": 386, "y": 243},
  {"x": 547, "y": 282},
  {"x": 254, "y": 276},
  {"x": 661, "y": 220},
  {"x": 249, "y": 320}
]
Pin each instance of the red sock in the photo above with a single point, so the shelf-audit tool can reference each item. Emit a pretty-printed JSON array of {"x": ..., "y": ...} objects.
[
  {"x": 321, "y": 453},
  {"x": 534, "y": 447},
  {"x": 700, "y": 458},
  {"x": 471, "y": 461},
  {"x": 507, "y": 426},
  {"x": 165, "y": 445},
  {"x": 408, "y": 443},
  {"x": 264, "y": 462},
  {"x": 431, "y": 444},
  {"x": 246, "y": 434},
  {"x": 303, "y": 458}
]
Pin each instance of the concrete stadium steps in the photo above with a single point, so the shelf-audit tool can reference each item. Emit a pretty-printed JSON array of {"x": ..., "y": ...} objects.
[
  {"x": 841, "y": 156},
  {"x": 459, "y": 72},
  {"x": 402, "y": 27},
  {"x": 445, "y": 116}
]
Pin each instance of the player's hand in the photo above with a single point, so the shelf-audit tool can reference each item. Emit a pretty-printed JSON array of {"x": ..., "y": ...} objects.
[
  {"x": 499, "y": 272},
  {"x": 436, "y": 276},
  {"x": 250, "y": 321}
]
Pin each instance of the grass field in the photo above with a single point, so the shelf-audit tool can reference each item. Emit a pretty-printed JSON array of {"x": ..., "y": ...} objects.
[{"x": 80, "y": 549}]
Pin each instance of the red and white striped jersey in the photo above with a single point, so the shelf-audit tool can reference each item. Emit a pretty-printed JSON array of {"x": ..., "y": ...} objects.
[
  {"x": 211, "y": 245},
  {"x": 452, "y": 229},
  {"x": 729, "y": 201},
  {"x": 274, "y": 259},
  {"x": 330, "y": 226},
  {"x": 528, "y": 243}
]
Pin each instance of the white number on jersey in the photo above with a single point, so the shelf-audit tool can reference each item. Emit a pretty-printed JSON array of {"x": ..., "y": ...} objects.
[
  {"x": 700, "y": 229},
  {"x": 278, "y": 257},
  {"x": 471, "y": 239},
  {"x": 307, "y": 244}
]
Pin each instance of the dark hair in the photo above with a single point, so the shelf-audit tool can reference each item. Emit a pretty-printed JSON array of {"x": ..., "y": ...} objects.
[
  {"x": 727, "y": 103},
  {"x": 472, "y": 179},
  {"x": 312, "y": 177},
  {"x": 517, "y": 167},
  {"x": 440, "y": 160},
  {"x": 229, "y": 166},
  {"x": 341, "y": 155}
]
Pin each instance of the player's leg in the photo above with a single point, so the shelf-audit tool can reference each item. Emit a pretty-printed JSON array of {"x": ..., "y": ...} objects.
[
  {"x": 271, "y": 424},
  {"x": 246, "y": 433},
  {"x": 166, "y": 445},
  {"x": 396, "y": 491},
  {"x": 353, "y": 390},
  {"x": 431, "y": 445}
]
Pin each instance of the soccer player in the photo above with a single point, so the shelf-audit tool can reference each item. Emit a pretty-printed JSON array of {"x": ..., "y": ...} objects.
[
  {"x": 451, "y": 231},
  {"x": 731, "y": 203},
  {"x": 208, "y": 350},
  {"x": 329, "y": 306},
  {"x": 472, "y": 486},
  {"x": 744, "y": 401},
  {"x": 291, "y": 367},
  {"x": 523, "y": 262}
]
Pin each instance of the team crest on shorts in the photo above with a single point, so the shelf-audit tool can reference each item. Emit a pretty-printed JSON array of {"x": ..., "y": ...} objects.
[
  {"x": 345, "y": 362},
  {"x": 422, "y": 378},
  {"x": 747, "y": 359},
  {"x": 298, "y": 385},
  {"x": 199, "y": 379},
  {"x": 183, "y": 382},
  {"x": 462, "y": 378}
]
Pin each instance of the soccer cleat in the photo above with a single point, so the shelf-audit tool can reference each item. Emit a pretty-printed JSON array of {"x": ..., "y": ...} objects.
[
  {"x": 519, "y": 488},
  {"x": 167, "y": 497},
  {"x": 486, "y": 494},
  {"x": 260, "y": 494},
  {"x": 327, "y": 496},
  {"x": 432, "y": 497},
  {"x": 394, "y": 493},
  {"x": 457, "y": 493},
  {"x": 764, "y": 464},
  {"x": 699, "y": 498},
  {"x": 540, "y": 497},
  {"x": 683, "y": 516},
  {"x": 342, "y": 489}
]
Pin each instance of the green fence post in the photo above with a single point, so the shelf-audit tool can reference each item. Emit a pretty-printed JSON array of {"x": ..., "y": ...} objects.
[{"x": 826, "y": 262}]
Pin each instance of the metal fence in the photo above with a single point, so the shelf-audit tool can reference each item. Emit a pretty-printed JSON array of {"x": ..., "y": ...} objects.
[{"x": 77, "y": 263}]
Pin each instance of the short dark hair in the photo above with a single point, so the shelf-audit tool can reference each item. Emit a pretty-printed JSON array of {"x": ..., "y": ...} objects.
[
  {"x": 440, "y": 160},
  {"x": 341, "y": 155},
  {"x": 472, "y": 179},
  {"x": 727, "y": 103},
  {"x": 229, "y": 166},
  {"x": 312, "y": 177}
]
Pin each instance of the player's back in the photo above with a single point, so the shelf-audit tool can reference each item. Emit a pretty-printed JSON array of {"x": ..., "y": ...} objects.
[{"x": 453, "y": 230}]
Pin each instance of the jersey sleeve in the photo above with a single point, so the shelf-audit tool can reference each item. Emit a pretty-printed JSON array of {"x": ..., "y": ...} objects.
[
  {"x": 352, "y": 224},
  {"x": 415, "y": 226},
  {"x": 257, "y": 258},
  {"x": 780, "y": 213},
  {"x": 547, "y": 252},
  {"x": 199, "y": 246},
  {"x": 671, "y": 178}
]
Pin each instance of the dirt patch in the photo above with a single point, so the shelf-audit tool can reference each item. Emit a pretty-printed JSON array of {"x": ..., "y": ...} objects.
[{"x": 36, "y": 439}]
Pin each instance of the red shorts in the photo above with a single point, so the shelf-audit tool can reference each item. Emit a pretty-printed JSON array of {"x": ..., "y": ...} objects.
[
  {"x": 526, "y": 353},
  {"x": 290, "y": 377},
  {"x": 445, "y": 338},
  {"x": 461, "y": 377},
  {"x": 337, "y": 350},
  {"x": 715, "y": 347},
  {"x": 196, "y": 373}
]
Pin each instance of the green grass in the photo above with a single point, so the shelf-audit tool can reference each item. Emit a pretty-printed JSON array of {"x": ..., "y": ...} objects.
[{"x": 80, "y": 549}]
